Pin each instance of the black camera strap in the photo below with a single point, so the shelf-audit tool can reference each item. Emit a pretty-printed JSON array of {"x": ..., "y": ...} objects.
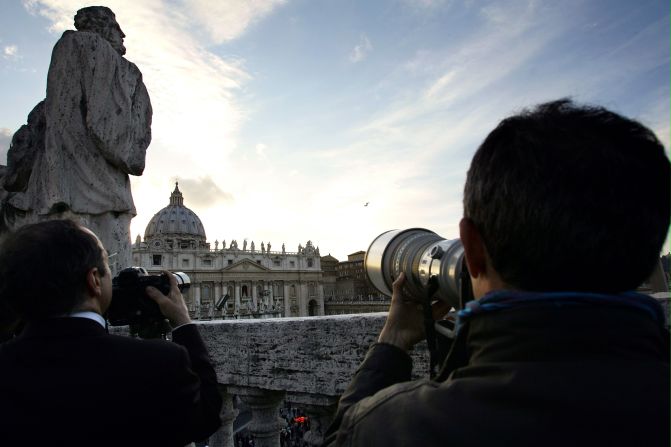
[{"x": 429, "y": 327}]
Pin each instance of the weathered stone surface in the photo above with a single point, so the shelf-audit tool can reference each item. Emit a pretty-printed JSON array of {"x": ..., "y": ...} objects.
[
  {"x": 315, "y": 355},
  {"x": 27, "y": 145},
  {"x": 97, "y": 118},
  {"x": 312, "y": 359}
]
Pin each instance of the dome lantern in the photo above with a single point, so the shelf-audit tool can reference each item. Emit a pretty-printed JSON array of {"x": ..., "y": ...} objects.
[{"x": 176, "y": 198}]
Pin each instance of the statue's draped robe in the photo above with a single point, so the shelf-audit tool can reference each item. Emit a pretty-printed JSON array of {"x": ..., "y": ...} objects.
[{"x": 98, "y": 118}]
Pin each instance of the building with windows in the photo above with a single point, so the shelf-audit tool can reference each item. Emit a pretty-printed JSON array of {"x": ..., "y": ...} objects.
[
  {"x": 350, "y": 292},
  {"x": 329, "y": 265},
  {"x": 234, "y": 280}
]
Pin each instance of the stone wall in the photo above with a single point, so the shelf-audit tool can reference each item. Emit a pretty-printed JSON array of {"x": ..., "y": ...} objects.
[
  {"x": 310, "y": 355},
  {"x": 316, "y": 355}
]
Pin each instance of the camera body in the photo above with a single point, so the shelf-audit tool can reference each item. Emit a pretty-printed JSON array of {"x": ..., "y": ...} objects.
[
  {"x": 431, "y": 265},
  {"x": 130, "y": 303}
]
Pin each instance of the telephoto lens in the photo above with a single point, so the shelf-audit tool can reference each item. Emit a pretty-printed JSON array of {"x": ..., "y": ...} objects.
[{"x": 431, "y": 265}]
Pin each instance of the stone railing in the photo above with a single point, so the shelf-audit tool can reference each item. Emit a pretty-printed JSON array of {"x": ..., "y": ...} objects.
[
  {"x": 307, "y": 362},
  {"x": 209, "y": 312}
]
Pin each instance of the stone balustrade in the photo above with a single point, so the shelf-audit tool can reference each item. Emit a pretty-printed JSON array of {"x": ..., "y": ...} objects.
[{"x": 305, "y": 361}]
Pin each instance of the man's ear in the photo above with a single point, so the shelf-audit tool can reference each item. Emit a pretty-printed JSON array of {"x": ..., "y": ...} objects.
[
  {"x": 93, "y": 282},
  {"x": 474, "y": 248}
]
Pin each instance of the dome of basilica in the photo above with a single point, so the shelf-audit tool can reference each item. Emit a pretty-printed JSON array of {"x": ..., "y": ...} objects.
[{"x": 175, "y": 220}]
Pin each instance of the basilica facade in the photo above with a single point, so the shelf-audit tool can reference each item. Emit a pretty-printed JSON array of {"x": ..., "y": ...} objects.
[{"x": 238, "y": 280}]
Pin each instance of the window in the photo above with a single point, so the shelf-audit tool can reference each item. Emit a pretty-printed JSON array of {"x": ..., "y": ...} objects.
[
  {"x": 276, "y": 262},
  {"x": 309, "y": 262},
  {"x": 313, "y": 308},
  {"x": 156, "y": 260},
  {"x": 292, "y": 264},
  {"x": 258, "y": 262},
  {"x": 276, "y": 290},
  {"x": 185, "y": 262},
  {"x": 207, "y": 262},
  {"x": 230, "y": 262}
]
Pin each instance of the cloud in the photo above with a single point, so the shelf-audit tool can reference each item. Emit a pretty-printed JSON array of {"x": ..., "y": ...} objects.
[
  {"x": 202, "y": 192},
  {"x": 460, "y": 75},
  {"x": 5, "y": 141},
  {"x": 410, "y": 157},
  {"x": 10, "y": 52},
  {"x": 227, "y": 20},
  {"x": 222, "y": 21},
  {"x": 658, "y": 117},
  {"x": 360, "y": 50},
  {"x": 426, "y": 4},
  {"x": 261, "y": 151},
  {"x": 440, "y": 85},
  {"x": 193, "y": 91}
]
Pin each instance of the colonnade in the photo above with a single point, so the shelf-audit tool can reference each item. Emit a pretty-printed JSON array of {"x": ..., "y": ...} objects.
[
  {"x": 286, "y": 298},
  {"x": 266, "y": 423}
]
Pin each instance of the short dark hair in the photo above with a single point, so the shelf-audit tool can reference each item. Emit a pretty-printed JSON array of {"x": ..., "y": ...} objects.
[
  {"x": 570, "y": 197},
  {"x": 43, "y": 268}
]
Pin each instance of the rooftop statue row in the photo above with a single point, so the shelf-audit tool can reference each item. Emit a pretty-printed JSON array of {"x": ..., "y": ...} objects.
[{"x": 73, "y": 157}]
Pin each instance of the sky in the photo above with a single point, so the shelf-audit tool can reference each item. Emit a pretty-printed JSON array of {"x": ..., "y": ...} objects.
[{"x": 282, "y": 119}]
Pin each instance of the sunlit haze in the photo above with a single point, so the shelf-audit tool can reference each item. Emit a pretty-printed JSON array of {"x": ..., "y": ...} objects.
[{"x": 281, "y": 119}]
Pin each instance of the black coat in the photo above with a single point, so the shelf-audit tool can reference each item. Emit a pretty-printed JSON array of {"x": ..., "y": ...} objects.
[
  {"x": 549, "y": 375},
  {"x": 65, "y": 381}
]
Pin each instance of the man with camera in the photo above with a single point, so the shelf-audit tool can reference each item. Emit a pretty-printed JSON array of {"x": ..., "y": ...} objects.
[
  {"x": 566, "y": 208},
  {"x": 65, "y": 381}
]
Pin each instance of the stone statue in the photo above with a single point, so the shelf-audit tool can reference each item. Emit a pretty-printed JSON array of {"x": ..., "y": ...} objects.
[
  {"x": 268, "y": 246},
  {"x": 309, "y": 249},
  {"x": 283, "y": 251},
  {"x": 263, "y": 247},
  {"x": 216, "y": 244},
  {"x": 234, "y": 245},
  {"x": 252, "y": 245},
  {"x": 91, "y": 133},
  {"x": 223, "y": 245},
  {"x": 27, "y": 143}
]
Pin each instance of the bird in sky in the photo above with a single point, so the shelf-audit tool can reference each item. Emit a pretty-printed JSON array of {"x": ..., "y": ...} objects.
[{"x": 366, "y": 203}]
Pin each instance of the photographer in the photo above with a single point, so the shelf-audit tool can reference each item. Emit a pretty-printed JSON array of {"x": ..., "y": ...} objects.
[
  {"x": 565, "y": 211},
  {"x": 65, "y": 381}
]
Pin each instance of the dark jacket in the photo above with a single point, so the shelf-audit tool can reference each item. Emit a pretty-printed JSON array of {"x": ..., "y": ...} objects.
[
  {"x": 524, "y": 370},
  {"x": 65, "y": 381}
]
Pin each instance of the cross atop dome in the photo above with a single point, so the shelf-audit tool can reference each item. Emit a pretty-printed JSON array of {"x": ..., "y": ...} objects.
[{"x": 176, "y": 198}]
